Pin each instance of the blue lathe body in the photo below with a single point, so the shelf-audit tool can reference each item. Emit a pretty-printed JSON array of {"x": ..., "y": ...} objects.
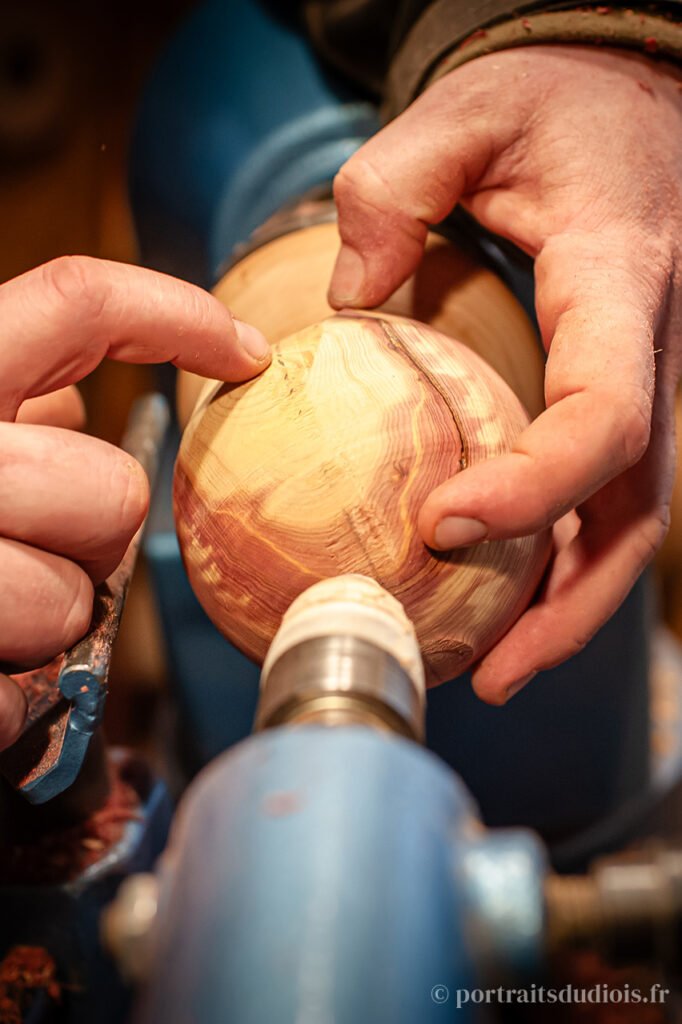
[{"x": 340, "y": 875}]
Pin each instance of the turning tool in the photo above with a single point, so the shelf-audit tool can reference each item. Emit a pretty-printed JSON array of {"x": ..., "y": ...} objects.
[{"x": 66, "y": 698}]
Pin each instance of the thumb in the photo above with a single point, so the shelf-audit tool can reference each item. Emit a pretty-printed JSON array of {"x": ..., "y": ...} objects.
[{"x": 410, "y": 175}]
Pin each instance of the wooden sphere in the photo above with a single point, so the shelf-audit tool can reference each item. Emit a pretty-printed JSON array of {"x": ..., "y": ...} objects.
[
  {"x": 449, "y": 290},
  {"x": 319, "y": 466}
]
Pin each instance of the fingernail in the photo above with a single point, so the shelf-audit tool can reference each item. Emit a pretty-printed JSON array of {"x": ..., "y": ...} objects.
[
  {"x": 12, "y": 710},
  {"x": 459, "y": 532},
  {"x": 252, "y": 341},
  {"x": 348, "y": 277},
  {"x": 518, "y": 685}
]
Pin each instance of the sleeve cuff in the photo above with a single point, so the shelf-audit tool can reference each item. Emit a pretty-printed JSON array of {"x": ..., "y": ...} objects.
[{"x": 654, "y": 34}]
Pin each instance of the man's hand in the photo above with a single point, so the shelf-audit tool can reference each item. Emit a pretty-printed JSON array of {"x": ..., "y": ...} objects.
[
  {"x": 69, "y": 504},
  {"x": 575, "y": 155}
]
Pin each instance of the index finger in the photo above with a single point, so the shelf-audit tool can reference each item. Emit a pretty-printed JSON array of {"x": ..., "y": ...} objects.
[
  {"x": 598, "y": 318},
  {"x": 60, "y": 320}
]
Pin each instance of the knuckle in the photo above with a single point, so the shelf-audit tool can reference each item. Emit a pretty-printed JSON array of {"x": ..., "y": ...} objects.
[
  {"x": 79, "y": 613},
  {"x": 373, "y": 204},
  {"x": 549, "y": 506},
  {"x": 634, "y": 418},
  {"x": 131, "y": 490},
  {"x": 543, "y": 505},
  {"x": 544, "y": 514},
  {"x": 576, "y": 644},
  {"x": 76, "y": 281},
  {"x": 578, "y": 641},
  {"x": 359, "y": 184},
  {"x": 204, "y": 311},
  {"x": 652, "y": 264},
  {"x": 347, "y": 180},
  {"x": 651, "y": 535}
]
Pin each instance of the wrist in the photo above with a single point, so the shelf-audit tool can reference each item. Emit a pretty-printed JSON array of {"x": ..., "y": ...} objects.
[{"x": 653, "y": 34}]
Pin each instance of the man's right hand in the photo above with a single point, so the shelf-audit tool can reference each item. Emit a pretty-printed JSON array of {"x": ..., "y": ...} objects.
[
  {"x": 575, "y": 155},
  {"x": 70, "y": 503}
]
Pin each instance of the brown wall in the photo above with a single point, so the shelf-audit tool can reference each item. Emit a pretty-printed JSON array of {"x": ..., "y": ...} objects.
[{"x": 70, "y": 74}]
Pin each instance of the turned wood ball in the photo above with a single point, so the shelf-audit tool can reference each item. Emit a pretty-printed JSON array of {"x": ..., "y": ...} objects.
[{"x": 319, "y": 466}]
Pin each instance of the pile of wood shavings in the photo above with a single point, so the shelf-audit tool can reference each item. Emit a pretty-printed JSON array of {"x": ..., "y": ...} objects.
[
  {"x": 24, "y": 972},
  {"x": 63, "y": 854}
]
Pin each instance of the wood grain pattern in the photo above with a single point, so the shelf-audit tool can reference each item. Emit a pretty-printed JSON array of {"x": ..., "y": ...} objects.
[
  {"x": 282, "y": 287},
  {"x": 318, "y": 468}
]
